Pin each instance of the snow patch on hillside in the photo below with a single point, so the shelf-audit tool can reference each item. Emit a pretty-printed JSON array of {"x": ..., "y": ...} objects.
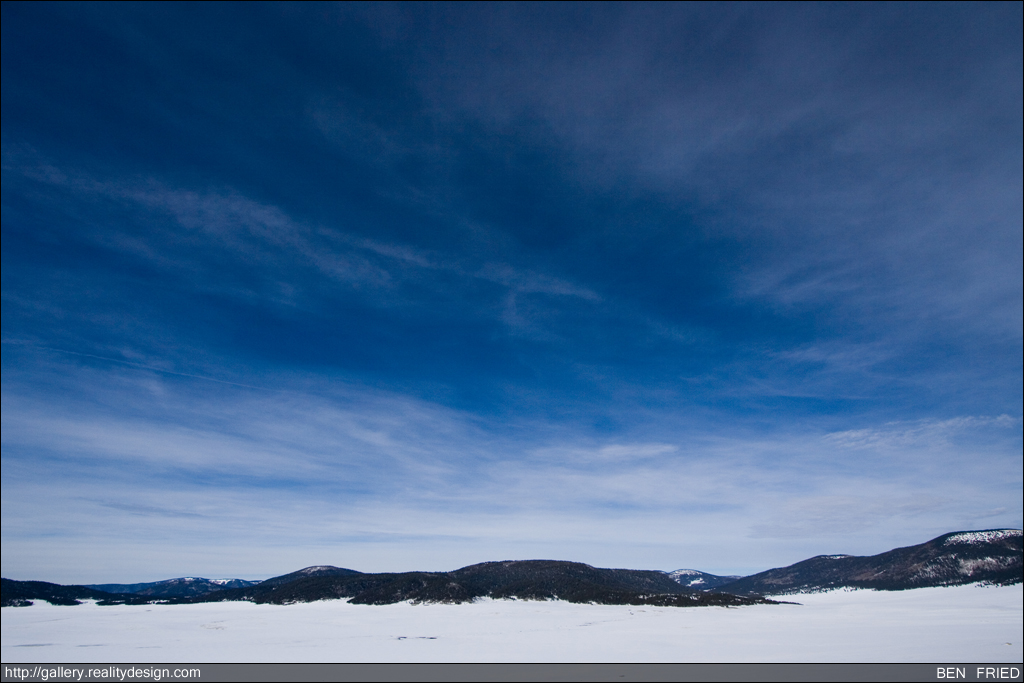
[{"x": 979, "y": 537}]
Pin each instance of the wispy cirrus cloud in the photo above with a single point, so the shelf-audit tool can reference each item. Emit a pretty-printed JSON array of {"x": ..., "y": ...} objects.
[
  {"x": 420, "y": 285},
  {"x": 918, "y": 433},
  {"x": 250, "y": 237},
  {"x": 386, "y": 475}
]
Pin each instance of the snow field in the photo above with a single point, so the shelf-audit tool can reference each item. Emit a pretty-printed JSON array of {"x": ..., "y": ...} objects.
[{"x": 956, "y": 624}]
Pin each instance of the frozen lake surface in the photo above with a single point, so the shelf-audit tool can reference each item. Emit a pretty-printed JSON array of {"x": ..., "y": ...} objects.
[{"x": 959, "y": 624}]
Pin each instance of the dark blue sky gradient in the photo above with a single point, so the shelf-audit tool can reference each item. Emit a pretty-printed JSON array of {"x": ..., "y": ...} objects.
[{"x": 597, "y": 246}]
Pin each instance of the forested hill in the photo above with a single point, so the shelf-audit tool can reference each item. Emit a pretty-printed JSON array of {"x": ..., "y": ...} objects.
[
  {"x": 529, "y": 579},
  {"x": 993, "y": 556}
]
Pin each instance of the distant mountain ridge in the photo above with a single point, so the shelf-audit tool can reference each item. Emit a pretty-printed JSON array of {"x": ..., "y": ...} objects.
[
  {"x": 515, "y": 579},
  {"x": 188, "y": 586},
  {"x": 994, "y": 556},
  {"x": 526, "y": 580},
  {"x": 698, "y": 580},
  {"x": 308, "y": 572}
]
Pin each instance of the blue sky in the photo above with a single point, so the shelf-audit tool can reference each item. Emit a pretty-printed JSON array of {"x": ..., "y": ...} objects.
[{"x": 399, "y": 287}]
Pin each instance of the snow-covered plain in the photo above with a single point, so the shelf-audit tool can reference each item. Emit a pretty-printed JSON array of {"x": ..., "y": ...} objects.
[{"x": 958, "y": 624}]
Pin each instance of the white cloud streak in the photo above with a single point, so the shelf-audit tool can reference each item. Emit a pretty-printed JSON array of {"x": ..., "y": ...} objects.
[
  {"x": 374, "y": 480},
  {"x": 214, "y": 234}
]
